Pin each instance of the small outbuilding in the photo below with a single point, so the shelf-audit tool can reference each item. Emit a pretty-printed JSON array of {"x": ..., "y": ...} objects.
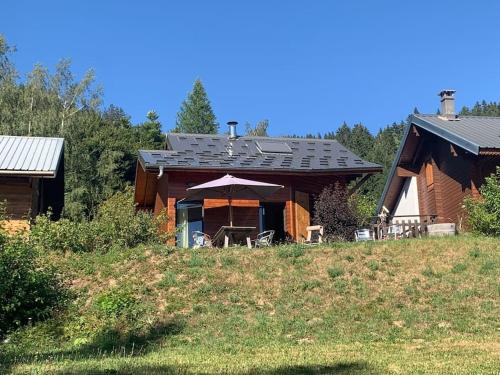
[
  {"x": 31, "y": 178},
  {"x": 441, "y": 160}
]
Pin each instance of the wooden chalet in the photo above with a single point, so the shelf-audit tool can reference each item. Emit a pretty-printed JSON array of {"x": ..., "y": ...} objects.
[
  {"x": 31, "y": 178},
  {"x": 441, "y": 160},
  {"x": 303, "y": 166}
]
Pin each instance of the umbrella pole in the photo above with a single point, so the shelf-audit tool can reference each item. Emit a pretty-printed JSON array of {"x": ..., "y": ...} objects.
[
  {"x": 230, "y": 214},
  {"x": 230, "y": 198}
]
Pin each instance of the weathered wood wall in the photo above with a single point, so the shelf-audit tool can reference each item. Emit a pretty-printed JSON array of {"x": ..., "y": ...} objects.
[
  {"x": 162, "y": 194},
  {"x": 456, "y": 174},
  {"x": 17, "y": 191}
]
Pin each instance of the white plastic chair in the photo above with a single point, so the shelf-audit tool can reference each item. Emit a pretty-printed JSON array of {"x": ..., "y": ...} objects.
[
  {"x": 201, "y": 240},
  {"x": 264, "y": 239},
  {"x": 395, "y": 231},
  {"x": 364, "y": 235}
]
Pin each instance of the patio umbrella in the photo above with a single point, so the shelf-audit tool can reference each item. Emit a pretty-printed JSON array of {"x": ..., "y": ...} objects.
[{"x": 230, "y": 187}]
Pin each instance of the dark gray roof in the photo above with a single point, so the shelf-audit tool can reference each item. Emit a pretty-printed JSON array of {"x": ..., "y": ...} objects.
[
  {"x": 470, "y": 132},
  {"x": 253, "y": 153},
  {"x": 30, "y": 156}
]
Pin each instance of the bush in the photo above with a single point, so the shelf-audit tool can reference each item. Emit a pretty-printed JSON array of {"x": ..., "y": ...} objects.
[
  {"x": 336, "y": 213},
  {"x": 365, "y": 207},
  {"x": 484, "y": 212},
  {"x": 117, "y": 223},
  {"x": 29, "y": 291}
]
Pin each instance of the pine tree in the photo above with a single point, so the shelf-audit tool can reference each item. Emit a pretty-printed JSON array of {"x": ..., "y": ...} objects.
[
  {"x": 361, "y": 141},
  {"x": 343, "y": 135},
  {"x": 196, "y": 115}
]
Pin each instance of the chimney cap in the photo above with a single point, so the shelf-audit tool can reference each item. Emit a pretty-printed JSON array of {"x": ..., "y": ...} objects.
[
  {"x": 232, "y": 129},
  {"x": 447, "y": 92}
]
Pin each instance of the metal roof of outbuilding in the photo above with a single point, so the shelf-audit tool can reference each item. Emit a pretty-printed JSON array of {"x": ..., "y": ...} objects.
[
  {"x": 30, "y": 156},
  {"x": 202, "y": 151}
]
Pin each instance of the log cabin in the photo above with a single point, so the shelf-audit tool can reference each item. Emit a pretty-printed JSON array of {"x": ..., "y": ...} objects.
[
  {"x": 31, "y": 178},
  {"x": 441, "y": 160},
  {"x": 303, "y": 166}
]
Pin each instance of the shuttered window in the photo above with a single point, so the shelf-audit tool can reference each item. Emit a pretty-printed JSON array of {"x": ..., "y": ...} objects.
[{"x": 429, "y": 174}]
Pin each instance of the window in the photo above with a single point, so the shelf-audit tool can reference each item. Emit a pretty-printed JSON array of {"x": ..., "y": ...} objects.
[{"x": 429, "y": 174}]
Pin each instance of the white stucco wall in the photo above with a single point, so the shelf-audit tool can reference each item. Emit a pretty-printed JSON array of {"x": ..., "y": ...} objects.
[{"x": 407, "y": 203}]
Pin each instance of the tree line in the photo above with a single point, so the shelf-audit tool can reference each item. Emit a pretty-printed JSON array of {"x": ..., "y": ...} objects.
[{"x": 101, "y": 143}]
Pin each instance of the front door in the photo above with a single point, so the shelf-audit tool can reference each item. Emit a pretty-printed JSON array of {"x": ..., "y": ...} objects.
[
  {"x": 189, "y": 219},
  {"x": 272, "y": 217}
]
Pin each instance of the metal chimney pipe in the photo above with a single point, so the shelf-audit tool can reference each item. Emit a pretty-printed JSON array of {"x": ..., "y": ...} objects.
[{"x": 232, "y": 129}]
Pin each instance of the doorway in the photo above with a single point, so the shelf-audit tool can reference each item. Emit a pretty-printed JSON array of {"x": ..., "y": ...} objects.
[
  {"x": 189, "y": 219},
  {"x": 272, "y": 217}
]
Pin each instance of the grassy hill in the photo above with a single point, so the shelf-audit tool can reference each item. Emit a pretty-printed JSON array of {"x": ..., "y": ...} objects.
[{"x": 415, "y": 306}]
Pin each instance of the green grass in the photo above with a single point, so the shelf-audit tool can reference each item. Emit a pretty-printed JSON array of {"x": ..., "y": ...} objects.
[{"x": 398, "y": 307}]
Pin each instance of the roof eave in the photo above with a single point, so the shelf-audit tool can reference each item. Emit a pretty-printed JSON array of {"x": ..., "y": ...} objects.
[
  {"x": 445, "y": 134},
  {"x": 42, "y": 174},
  {"x": 167, "y": 168}
]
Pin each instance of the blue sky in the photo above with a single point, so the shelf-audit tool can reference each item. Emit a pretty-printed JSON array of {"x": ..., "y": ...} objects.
[{"x": 307, "y": 66}]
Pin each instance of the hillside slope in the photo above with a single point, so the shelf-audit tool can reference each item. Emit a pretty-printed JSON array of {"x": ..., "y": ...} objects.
[{"x": 413, "y": 306}]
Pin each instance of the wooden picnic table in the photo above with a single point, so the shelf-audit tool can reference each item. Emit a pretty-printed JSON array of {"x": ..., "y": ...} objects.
[{"x": 230, "y": 235}]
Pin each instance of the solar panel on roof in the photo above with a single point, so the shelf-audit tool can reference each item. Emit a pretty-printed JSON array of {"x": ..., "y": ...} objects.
[{"x": 274, "y": 147}]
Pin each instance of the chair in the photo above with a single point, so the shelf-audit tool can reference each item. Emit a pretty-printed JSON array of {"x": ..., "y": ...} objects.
[
  {"x": 364, "y": 235},
  {"x": 314, "y": 234},
  {"x": 264, "y": 239},
  {"x": 201, "y": 240},
  {"x": 395, "y": 231}
]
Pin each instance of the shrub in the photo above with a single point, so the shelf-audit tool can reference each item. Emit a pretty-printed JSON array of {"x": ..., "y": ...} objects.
[
  {"x": 484, "y": 212},
  {"x": 336, "y": 213},
  {"x": 29, "y": 290},
  {"x": 365, "y": 207},
  {"x": 117, "y": 223}
]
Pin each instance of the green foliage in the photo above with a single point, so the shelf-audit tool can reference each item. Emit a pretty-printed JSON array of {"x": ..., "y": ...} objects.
[
  {"x": 115, "y": 302},
  {"x": 365, "y": 208},
  {"x": 117, "y": 223},
  {"x": 459, "y": 268},
  {"x": 196, "y": 115},
  {"x": 475, "y": 253},
  {"x": 292, "y": 252},
  {"x": 169, "y": 280},
  {"x": 482, "y": 109},
  {"x": 335, "y": 271},
  {"x": 484, "y": 212},
  {"x": 372, "y": 265},
  {"x": 29, "y": 289},
  {"x": 100, "y": 145},
  {"x": 337, "y": 213}
]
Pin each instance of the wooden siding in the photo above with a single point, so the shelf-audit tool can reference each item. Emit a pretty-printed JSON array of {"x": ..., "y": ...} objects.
[
  {"x": 302, "y": 216},
  {"x": 456, "y": 174},
  {"x": 18, "y": 194},
  {"x": 172, "y": 187}
]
